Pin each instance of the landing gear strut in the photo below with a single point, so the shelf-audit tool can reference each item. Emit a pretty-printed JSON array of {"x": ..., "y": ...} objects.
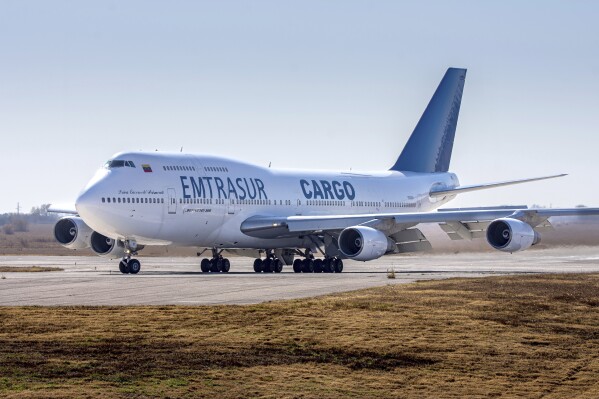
[
  {"x": 270, "y": 264},
  {"x": 217, "y": 264}
]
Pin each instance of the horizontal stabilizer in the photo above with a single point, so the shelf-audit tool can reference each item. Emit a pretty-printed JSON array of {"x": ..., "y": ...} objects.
[{"x": 441, "y": 192}]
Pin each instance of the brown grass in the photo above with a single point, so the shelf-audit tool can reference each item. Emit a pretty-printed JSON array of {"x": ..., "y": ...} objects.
[
  {"x": 28, "y": 269},
  {"x": 39, "y": 240},
  {"x": 532, "y": 336}
]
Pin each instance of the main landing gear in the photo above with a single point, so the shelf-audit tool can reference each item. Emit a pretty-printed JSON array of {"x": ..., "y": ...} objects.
[
  {"x": 311, "y": 265},
  {"x": 270, "y": 264},
  {"x": 217, "y": 264}
]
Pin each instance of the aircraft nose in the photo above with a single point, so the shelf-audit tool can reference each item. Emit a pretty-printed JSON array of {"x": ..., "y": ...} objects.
[
  {"x": 89, "y": 199},
  {"x": 86, "y": 200}
]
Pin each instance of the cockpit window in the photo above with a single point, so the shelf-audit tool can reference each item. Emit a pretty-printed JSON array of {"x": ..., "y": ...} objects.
[{"x": 117, "y": 163}]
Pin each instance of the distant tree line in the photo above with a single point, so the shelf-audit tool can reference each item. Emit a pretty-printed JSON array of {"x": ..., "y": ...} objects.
[{"x": 19, "y": 222}]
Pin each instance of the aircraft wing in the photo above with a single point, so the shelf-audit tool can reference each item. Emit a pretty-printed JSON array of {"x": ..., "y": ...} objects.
[
  {"x": 441, "y": 192},
  {"x": 63, "y": 208},
  {"x": 460, "y": 219}
]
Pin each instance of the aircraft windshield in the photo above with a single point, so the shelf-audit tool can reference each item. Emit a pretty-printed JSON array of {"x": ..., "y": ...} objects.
[{"x": 118, "y": 163}]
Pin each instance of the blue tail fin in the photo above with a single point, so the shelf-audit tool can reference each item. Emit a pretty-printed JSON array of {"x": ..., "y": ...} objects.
[{"x": 429, "y": 147}]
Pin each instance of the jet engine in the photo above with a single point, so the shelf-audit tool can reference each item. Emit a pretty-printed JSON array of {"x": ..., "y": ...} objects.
[
  {"x": 72, "y": 232},
  {"x": 107, "y": 247},
  {"x": 364, "y": 243},
  {"x": 511, "y": 235}
]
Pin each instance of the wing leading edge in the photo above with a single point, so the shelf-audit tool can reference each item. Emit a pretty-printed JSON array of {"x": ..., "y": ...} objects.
[{"x": 63, "y": 208}]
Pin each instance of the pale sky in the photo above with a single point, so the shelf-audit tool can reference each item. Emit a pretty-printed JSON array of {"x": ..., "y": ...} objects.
[{"x": 301, "y": 84}]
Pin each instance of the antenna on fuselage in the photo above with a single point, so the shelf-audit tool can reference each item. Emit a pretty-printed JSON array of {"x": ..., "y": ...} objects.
[
  {"x": 270, "y": 163},
  {"x": 181, "y": 149}
]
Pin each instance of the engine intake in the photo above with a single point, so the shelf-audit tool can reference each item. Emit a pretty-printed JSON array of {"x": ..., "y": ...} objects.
[
  {"x": 364, "y": 243},
  {"x": 107, "y": 247},
  {"x": 72, "y": 232},
  {"x": 511, "y": 235}
]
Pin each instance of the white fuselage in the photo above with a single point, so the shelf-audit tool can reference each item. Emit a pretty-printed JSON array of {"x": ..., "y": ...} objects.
[{"x": 192, "y": 200}]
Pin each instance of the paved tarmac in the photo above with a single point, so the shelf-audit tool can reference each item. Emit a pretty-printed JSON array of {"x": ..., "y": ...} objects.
[{"x": 178, "y": 281}]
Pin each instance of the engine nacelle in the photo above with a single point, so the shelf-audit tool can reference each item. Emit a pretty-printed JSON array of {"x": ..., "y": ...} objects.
[
  {"x": 72, "y": 232},
  {"x": 511, "y": 235},
  {"x": 364, "y": 243},
  {"x": 107, "y": 247}
]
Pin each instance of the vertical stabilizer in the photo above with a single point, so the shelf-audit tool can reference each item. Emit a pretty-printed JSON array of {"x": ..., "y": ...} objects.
[{"x": 429, "y": 147}]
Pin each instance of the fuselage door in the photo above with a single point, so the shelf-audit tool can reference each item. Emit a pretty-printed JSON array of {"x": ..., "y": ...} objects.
[{"x": 172, "y": 201}]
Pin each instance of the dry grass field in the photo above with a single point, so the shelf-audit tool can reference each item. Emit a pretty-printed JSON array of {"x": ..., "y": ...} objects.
[
  {"x": 523, "y": 336},
  {"x": 28, "y": 269},
  {"x": 39, "y": 240}
]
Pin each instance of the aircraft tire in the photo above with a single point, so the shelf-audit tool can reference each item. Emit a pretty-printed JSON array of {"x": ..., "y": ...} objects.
[
  {"x": 327, "y": 265},
  {"x": 308, "y": 266},
  {"x": 277, "y": 265},
  {"x": 226, "y": 265},
  {"x": 205, "y": 265},
  {"x": 134, "y": 266},
  {"x": 267, "y": 265},
  {"x": 215, "y": 265},
  {"x": 318, "y": 266},
  {"x": 123, "y": 267},
  {"x": 338, "y": 265},
  {"x": 258, "y": 265},
  {"x": 297, "y": 266}
]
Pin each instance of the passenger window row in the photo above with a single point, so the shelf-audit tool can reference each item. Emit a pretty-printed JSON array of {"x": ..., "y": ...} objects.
[
  {"x": 216, "y": 169},
  {"x": 366, "y": 203},
  {"x": 400, "y": 204},
  {"x": 130, "y": 200},
  {"x": 137, "y": 200},
  {"x": 219, "y": 201},
  {"x": 325, "y": 203},
  {"x": 195, "y": 200},
  {"x": 179, "y": 168}
]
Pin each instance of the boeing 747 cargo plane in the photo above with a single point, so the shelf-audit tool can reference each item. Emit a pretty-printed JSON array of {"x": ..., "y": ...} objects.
[{"x": 305, "y": 218}]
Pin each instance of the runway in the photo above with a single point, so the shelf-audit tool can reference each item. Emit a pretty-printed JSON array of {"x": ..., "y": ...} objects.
[{"x": 93, "y": 281}]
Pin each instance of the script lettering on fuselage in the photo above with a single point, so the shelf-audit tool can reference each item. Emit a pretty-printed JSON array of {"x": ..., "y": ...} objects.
[
  {"x": 240, "y": 188},
  {"x": 140, "y": 192},
  {"x": 325, "y": 189}
]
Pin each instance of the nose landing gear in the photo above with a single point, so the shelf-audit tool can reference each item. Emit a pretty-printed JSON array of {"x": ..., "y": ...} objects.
[
  {"x": 132, "y": 266},
  {"x": 128, "y": 265}
]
